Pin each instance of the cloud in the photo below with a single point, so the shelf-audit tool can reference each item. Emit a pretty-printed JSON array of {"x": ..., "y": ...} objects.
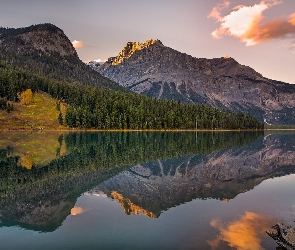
[
  {"x": 215, "y": 13},
  {"x": 243, "y": 234},
  {"x": 78, "y": 44},
  {"x": 292, "y": 19},
  {"x": 246, "y": 23},
  {"x": 77, "y": 210}
]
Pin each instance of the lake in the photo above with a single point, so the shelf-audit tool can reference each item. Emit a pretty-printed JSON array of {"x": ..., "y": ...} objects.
[{"x": 145, "y": 190}]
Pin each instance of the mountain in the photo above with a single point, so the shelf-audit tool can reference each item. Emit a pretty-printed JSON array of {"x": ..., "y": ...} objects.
[
  {"x": 158, "y": 71},
  {"x": 45, "y": 38},
  {"x": 156, "y": 186},
  {"x": 45, "y": 50},
  {"x": 41, "y": 57},
  {"x": 95, "y": 65}
]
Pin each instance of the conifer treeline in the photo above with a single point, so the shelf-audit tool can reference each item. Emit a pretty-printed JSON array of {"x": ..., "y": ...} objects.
[{"x": 94, "y": 107}]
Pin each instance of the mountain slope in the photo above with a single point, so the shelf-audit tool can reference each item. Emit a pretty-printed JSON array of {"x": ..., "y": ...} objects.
[
  {"x": 44, "y": 49},
  {"x": 158, "y": 71}
]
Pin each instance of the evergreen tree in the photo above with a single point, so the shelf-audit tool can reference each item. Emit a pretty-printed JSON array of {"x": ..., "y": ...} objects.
[{"x": 60, "y": 118}]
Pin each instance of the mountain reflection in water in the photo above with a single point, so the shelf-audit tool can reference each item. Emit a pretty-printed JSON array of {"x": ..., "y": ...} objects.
[
  {"x": 223, "y": 174},
  {"x": 146, "y": 173}
]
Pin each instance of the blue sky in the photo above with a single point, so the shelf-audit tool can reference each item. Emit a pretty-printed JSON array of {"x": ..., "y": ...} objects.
[{"x": 256, "y": 33}]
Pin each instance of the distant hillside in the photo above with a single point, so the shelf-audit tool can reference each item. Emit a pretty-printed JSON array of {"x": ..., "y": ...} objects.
[
  {"x": 45, "y": 49},
  {"x": 158, "y": 71}
]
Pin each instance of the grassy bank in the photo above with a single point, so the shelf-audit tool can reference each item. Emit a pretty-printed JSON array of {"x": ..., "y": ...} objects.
[{"x": 40, "y": 114}]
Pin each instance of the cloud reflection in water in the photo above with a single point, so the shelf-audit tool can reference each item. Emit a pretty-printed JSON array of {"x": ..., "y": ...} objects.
[{"x": 245, "y": 233}]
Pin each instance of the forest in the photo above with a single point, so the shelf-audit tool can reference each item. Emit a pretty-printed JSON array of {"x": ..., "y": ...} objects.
[{"x": 104, "y": 108}]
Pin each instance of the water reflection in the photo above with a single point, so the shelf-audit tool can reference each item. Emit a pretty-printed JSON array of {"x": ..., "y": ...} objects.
[
  {"x": 243, "y": 234},
  {"x": 77, "y": 210},
  {"x": 146, "y": 173},
  {"x": 37, "y": 149},
  {"x": 222, "y": 174},
  {"x": 129, "y": 207}
]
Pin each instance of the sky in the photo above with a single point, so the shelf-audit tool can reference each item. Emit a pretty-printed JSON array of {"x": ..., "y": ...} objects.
[{"x": 256, "y": 33}]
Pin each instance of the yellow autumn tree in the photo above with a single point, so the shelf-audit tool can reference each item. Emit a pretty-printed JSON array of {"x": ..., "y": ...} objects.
[
  {"x": 25, "y": 161},
  {"x": 25, "y": 97}
]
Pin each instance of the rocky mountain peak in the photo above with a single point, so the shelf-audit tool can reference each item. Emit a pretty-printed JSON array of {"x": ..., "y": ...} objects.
[
  {"x": 41, "y": 37},
  {"x": 132, "y": 47},
  {"x": 158, "y": 71}
]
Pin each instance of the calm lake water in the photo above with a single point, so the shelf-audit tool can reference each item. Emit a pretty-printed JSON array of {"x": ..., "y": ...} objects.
[{"x": 207, "y": 190}]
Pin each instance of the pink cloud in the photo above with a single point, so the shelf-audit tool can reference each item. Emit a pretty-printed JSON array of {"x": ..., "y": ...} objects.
[
  {"x": 215, "y": 13},
  {"x": 246, "y": 23}
]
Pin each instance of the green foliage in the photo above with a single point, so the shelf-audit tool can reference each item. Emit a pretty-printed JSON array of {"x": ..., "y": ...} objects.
[
  {"x": 3, "y": 103},
  {"x": 94, "y": 107},
  {"x": 58, "y": 105},
  {"x": 6, "y": 105},
  {"x": 9, "y": 107},
  {"x": 60, "y": 118}
]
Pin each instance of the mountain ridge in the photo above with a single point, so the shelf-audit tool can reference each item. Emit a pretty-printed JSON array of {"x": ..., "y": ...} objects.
[
  {"x": 164, "y": 73},
  {"x": 47, "y": 37}
]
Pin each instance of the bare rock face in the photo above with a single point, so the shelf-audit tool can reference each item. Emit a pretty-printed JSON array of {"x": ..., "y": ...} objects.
[
  {"x": 95, "y": 65},
  {"x": 158, "y": 71},
  {"x": 283, "y": 235},
  {"x": 43, "y": 37}
]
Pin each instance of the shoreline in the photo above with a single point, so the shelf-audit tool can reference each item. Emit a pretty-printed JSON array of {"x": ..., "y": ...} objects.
[{"x": 139, "y": 130}]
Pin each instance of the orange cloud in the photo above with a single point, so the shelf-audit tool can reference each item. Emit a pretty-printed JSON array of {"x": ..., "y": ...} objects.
[
  {"x": 77, "y": 210},
  {"x": 77, "y": 44},
  {"x": 292, "y": 19},
  {"x": 243, "y": 234},
  {"x": 246, "y": 23}
]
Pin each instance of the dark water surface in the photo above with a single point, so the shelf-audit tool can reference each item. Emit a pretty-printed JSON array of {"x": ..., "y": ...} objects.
[{"x": 209, "y": 190}]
